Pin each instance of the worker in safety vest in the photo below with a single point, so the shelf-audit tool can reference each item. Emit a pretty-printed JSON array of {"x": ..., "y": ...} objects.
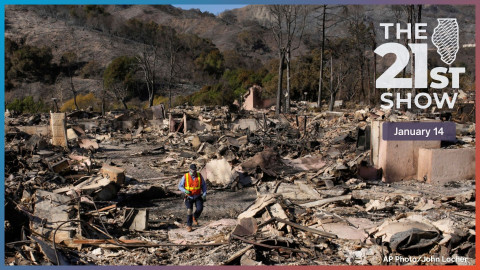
[{"x": 195, "y": 189}]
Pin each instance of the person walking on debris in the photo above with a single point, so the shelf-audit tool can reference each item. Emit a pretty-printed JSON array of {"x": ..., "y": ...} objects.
[{"x": 195, "y": 189}]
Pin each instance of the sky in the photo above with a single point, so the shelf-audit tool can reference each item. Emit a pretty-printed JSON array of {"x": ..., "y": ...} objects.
[{"x": 214, "y": 9}]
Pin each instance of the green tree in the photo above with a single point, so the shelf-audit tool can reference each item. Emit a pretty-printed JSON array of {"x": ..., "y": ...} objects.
[
  {"x": 27, "y": 63},
  {"x": 119, "y": 78},
  {"x": 27, "y": 105},
  {"x": 212, "y": 63}
]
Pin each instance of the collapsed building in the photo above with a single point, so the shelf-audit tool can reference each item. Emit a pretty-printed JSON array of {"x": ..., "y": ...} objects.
[{"x": 307, "y": 188}]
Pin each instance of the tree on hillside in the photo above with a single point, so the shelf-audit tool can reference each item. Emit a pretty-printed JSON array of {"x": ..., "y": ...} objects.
[
  {"x": 148, "y": 58},
  {"x": 326, "y": 21},
  {"x": 342, "y": 69},
  {"x": 360, "y": 41},
  {"x": 69, "y": 63},
  {"x": 27, "y": 63},
  {"x": 287, "y": 22},
  {"x": 119, "y": 78},
  {"x": 172, "y": 45},
  {"x": 211, "y": 63}
]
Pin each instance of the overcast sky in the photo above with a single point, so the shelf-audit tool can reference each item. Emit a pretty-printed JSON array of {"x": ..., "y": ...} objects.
[{"x": 215, "y": 9}]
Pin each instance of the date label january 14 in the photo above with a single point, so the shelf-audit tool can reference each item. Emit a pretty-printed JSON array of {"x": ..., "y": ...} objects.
[{"x": 418, "y": 131}]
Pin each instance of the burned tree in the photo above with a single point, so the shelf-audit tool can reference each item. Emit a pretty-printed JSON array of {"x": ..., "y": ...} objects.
[
  {"x": 342, "y": 70},
  {"x": 69, "y": 62},
  {"x": 287, "y": 22},
  {"x": 172, "y": 46},
  {"x": 149, "y": 57},
  {"x": 330, "y": 11}
]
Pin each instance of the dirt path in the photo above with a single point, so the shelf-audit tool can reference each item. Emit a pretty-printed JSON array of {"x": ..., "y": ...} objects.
[{"x": 219, "y": 204}]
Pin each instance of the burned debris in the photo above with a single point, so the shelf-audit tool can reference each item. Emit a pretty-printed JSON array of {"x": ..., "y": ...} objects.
[{"x": 305, "y": 188}]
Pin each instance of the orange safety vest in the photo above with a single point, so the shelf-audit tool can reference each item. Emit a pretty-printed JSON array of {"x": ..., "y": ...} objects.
[{"x": 193, "y": 186}]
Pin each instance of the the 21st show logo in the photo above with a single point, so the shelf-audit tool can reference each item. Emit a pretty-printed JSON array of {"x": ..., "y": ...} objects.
[{"x": 445, "y": 37}]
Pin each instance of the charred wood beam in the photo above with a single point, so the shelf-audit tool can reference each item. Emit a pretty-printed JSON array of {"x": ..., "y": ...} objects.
[
  {"x": 137, "y": 243},
  {"x": 280, "y": 248}
]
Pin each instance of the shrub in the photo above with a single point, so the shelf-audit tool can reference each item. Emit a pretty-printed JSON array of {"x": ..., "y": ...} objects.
[
  {"x": 157, "y": 101},
  {"x": 27, "y": 105},
  {"x": 83, "y": 102}
]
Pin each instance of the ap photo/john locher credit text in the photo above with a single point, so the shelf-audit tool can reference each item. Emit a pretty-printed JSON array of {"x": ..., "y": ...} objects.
[{"x": 248, "y": 135}]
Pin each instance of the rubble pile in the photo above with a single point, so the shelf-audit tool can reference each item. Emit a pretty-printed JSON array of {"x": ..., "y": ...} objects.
[{"x": 297, "y": 189}]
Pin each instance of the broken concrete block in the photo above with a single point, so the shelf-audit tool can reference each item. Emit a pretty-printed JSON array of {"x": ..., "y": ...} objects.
[
  {"x": 114, "y": 174},
  {"x": 136, "y": 219},
  {"x": 218, "y": 172},
  {"x": 246, "y": 227},
  {"x": 49, "y": 209},
  {"x": 59, "y": 129},
  {"x": 71, "y": 135},
  {"x": 446, "y": 225},
  {"x": 440, "y": 166},
  {"x": 80, "y": 163},
  {"x": 99, "y": 188}
]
